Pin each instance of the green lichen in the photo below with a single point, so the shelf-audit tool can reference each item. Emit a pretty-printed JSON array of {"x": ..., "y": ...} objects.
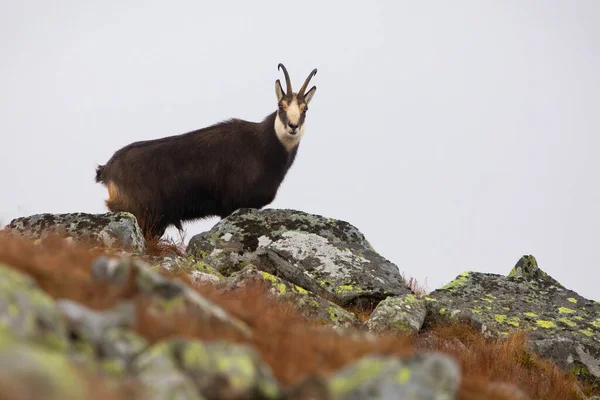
[
  {"x": 500, "y": 318},
  {"x": 462, "y": 279},
  {"x": 587, "y": 332},
  {"x": 545, "y": 324},
  {"x": 596, "y": 323},
  {"x": 300, "y": 290},
  {"x": 567, "y": 321},
  {"x": 430, "y": 299},
  {"x": 475, "y": 311},
  {"x": 572, "y": 300},
  {"x": 277, "y": 284},
  {"x": 343, "y": 289},
  {"x": 333, "y": 317},
  {"x": 403, "y": 375},
  {"x": 442, "y": 311},
  {"x": 565, "y": 310},
  {"x": 363, "y": 372},
  {"x": 530, "y": 314}
]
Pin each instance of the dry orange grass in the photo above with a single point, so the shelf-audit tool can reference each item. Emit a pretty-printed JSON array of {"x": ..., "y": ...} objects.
[{"x": 293, "y": 346}]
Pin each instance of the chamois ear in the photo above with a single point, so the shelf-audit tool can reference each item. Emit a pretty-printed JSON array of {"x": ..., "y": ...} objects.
[
  {"x": 308, "y": 96},
  {"x": 278, "y": 90}
]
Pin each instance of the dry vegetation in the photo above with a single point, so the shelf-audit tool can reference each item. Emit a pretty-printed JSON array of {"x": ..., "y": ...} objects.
[{"x": 293, "y": 346}]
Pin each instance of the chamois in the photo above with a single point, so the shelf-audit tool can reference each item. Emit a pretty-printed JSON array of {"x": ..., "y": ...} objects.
[{"x": 208, "y": 172}]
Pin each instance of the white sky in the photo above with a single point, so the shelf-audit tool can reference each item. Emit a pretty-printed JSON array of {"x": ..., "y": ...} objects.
[{"x": 454, "y": 137}]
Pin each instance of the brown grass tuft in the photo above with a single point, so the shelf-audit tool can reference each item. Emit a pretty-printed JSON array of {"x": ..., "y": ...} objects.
[
  {"x": 487, "y": 363},
  {"x": 165, "y": 247}
]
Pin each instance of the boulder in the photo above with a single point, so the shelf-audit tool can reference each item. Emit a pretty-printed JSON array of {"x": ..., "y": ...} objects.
[
  {"x": 28, "y": 312},
  {"x": 319, "y": 254},
  {"x": 218, "y": 370},
  {"x": 110, "y": 230},
  {"x": 422, "y": 377},
  {"x": 166, "y": 295},
  {"x": 31, "y": 370},
  {"x": 311, "y": 306},
  {"x": 402, "y": 314},
  {"x": 562, "y": 325}
]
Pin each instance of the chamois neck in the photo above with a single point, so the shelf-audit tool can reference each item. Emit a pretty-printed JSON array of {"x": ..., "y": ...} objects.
[{"x": 287, "y": 140}]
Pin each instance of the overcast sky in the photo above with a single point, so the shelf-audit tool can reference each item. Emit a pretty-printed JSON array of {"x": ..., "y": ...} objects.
[{"x": 455, "y": 135}]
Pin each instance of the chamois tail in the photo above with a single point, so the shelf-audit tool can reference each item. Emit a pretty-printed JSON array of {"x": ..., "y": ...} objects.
[{"x": 99, "y": 171}]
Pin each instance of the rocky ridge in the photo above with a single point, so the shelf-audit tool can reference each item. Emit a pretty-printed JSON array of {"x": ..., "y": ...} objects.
[{"x": 326, "y": 268}]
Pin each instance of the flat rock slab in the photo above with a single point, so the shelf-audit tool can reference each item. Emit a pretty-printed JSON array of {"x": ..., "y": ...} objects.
[
  {"x": 112, "y": 230},
  {"x": 320, "y": 254},
  {"x": 562, "y": 325}
]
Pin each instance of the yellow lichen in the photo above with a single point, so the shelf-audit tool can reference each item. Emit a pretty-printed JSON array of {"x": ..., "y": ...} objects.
[
  {"x": 565, "y": 310},
  {"x": 567, "y": 321},
  {"x": 546, "y": 324}
]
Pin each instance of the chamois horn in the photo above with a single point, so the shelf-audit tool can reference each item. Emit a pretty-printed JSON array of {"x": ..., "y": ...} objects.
[
  {"x": 303, "y": 88},
  {"x": 288, "y": 83}
]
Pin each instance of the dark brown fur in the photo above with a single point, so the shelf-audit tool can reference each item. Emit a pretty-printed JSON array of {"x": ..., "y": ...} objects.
[{"x": 207, "y": 172}]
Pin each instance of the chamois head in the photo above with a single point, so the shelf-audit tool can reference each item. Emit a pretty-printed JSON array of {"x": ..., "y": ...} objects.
[{"x": 292, "y": 107}]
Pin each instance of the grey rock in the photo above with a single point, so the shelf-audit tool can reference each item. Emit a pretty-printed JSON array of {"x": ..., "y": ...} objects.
[
  {"x": 111, "y": 230},
  {"x": 425, "y": 376},
  {"x": 311, "y": 306},
  {"x": 403, "y": 314},
  {"x": 93, "y": 323},
  {"x": 33, "y": 371},
  {"x": 166, "y": 295},
  {"x": 198, "y": 271},
  {"x": 319, "y": 254},
  {"x": 104, "y": 337},
  {"x": 157, "y": 371},
  {"x": 28, "y": 311},
  {"x": 562, "y": 325},
  {"x": 218, "y": 370}
]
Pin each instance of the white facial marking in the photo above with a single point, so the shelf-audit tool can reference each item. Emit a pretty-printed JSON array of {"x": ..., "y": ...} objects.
[
  {"x": 293, "y": 112},
  {"x": 288, "y": 140}
]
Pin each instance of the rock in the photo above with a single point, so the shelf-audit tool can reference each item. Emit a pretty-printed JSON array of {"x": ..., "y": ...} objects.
[
  {"x": 33, "y": 371},
  {"x": 562, "y": 325},
  {"x": 198, "y": 271},
  {"x": 117, "y": 349},
  {"x": 403, "y": 314},
  {"x": 166, "y": 295},
  {"x": 313, "y": 252},
  {"x": 425, "y": 376},
  {"x": 219, "y": 370},
  {"x": 157, "y": 371},
  {"x": 310, "y": 305},
  {"x": 111, "y": 230},
  {"x": 28, "y": 311},
  {"x": 104, "y": 336}
]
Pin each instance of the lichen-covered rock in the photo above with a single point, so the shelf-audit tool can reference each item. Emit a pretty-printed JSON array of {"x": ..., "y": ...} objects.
[
  {"x": 32, "y": 371},
  {"x": 312, "y": 306},
  {"x": 562, "y": 325},
  {"x": 198, "y": 271},
  {"x": 403, "y": 314},
  {"x": 313, "y": 252},
  {"x": 111, "y": 230},
  {"x": 157, "y": 370},
  {"x": 166, "y": 295},
  {"x": 103, "y": 337},
  {"x": 219, "y": 370},
  {"x": 425, "y": 376},
  {"x": 28, "y": 311}
]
